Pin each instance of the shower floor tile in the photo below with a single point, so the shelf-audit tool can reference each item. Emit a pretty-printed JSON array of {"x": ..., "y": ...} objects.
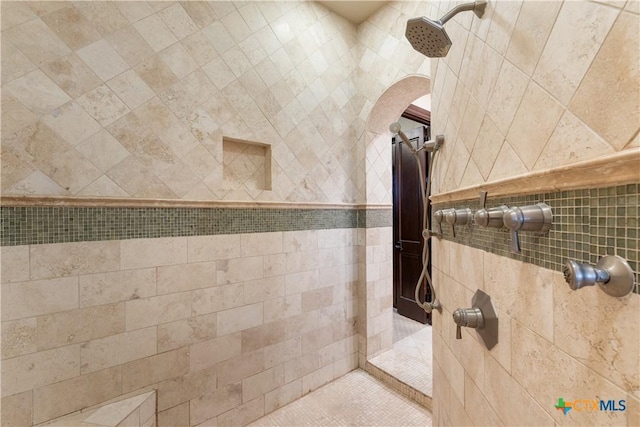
[{"x": 356, "y": 399}]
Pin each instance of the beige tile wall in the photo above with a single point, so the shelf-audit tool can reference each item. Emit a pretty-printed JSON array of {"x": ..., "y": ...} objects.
[
  {"x": 132, "y": 99},
  {"x": 533, "y": 85},
  {"x": 223, "y": 337}
]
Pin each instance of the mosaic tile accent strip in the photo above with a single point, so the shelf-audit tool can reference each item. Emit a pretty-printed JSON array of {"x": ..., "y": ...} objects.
[
  {"x": 42, "y": 225},
  {"x": 372, "y": 218},
  {"x": 587, "y": 224}
]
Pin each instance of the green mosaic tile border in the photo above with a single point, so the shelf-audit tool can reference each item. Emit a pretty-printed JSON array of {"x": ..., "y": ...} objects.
[
  {"x": 587, "y": 224},
  {"x": 42, "y": 225}
]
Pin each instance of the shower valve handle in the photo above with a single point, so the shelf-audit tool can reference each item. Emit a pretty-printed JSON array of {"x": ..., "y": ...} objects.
[{"x": 536, "y": 217}]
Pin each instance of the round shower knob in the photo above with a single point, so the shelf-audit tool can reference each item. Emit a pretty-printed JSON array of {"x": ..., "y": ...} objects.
[
  {"x": 458, "y": 216},
  {"x": 491, "y": 217},
  {"x": 612, "y": 274}
]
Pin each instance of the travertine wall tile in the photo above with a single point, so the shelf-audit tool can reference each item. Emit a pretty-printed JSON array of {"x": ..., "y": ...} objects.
[
  {"x": 38, "y": 297},
  {"x": 70, "y": 259},
  {"x": 74, "y": 326},
  {"x": 187, "y": 387},
  {"x": 154, "y": 369},
  {"x": 15, "y": 264},
  {"x": 141, "y": 253},
  {"x": 118, "y": 349},
  {"x": 176, "y": 416},
  {"x": 208, "y": 353},
  {"x": 17, "y": 410},
  {"x": 38, "y": 369},
  {"x": 74, "y": 394},
  {"x": 187, "y": 331},
  {"x": 243, "y": 414},
  {"x": 19, "y": 337},
  {"x": 186, "y": 277},
  {"x": 108, "y": 288},
  {"x": 213, "y": 300},
  {"x": 240, "y": 367},
  {"x": 141, "y": 313},
  {"x": 216, "y": 403}
]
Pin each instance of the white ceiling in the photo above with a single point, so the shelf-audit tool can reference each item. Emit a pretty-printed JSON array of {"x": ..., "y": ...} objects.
[{"x": 354, "y": 11}]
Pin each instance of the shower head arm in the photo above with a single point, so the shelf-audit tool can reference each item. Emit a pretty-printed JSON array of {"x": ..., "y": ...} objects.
[{"x": 477, "y": 7}]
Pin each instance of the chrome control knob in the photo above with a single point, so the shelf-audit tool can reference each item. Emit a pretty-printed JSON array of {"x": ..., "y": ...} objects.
[
  {"x": 536, "y": 217},
  {"x": 491, "y": 217},
  {"x": 458, "y": 216}
]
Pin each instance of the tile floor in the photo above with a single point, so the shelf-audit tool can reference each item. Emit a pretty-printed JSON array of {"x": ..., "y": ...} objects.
[
  {"x": 356, "y": 399},
  {"x": 410, "y": 360}
]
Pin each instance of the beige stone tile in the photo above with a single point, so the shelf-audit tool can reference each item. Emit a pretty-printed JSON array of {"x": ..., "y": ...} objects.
[
  {"x": 178, "y": 21},
  {"x": 75, "y": 326},
  {"x": 135, "y": 10},
  {"x": 72, "y": 27},
  {"x": 532, "y": 307},
  {"x": 264, "y": 289},
  {"x": 597, "y": 344},
  {"x": 566, "y": 377},
  {"x": 300, "y": 366},
  {"x": 39, "y": 369},
  {"x": 36, "y": 40},
  {"x": 154, "y": 369},
  {"x": 282, "y": 396},
  {"x": 571, "y": 142},
  {"x": 243, "y": 414},
  {"x": 189, "y": 93},
  {"x": 633, "y": 410},
  {"x": 15, "y": 263},
  {"x": 103, "y": 105},
  {"x": 185, "y": 277},
  {"x": 317, "y": 378},
  {"x": 72, "y": 123},
  {"x": 530, "y": 34},
  {"x": 103, "y": 187},
  {"x": 176, "y": 416},
  {"x": 216, "y": 403},
  {"x": 17, "y": 409},
  {"x": 282, "y": 308},
  {"x": 148, "y": 407},
  {"x": 577, "y": 34},
  {"x": 117, "y": 286},
  {"x": 70, "y": 259},
  {"x": 209, "y": 353},
  {"x": 506, "y": 96},
  {"x": 200, "y": 13},
  {"x": 185, "y": 332},
  {"x": 261, "y": 243},
  {"x": 16, "y": 13},
  {"x": 296, "y": 283},
  {"x": 476, "y": 404},
  {"x": 468, "y": 277},
  {"x": 282, "y": 352},
  {"x": 502, "y": 25},
  {"x": 155, "y": 32},
  {"x": 28, "y": 299},
  {"x": 37, "y": 183},
  {"x": 118, "y": 349},
  {"x": 138, "y": 180},
  {"x": 262, "y": 336},
  {"x": 198, "y": 47},
  {"x": 499, "y": 385},
  {"x": 102, "y": 58},
  {"x": 72, "y": 75},
  {"x": 240, "y": 367},
  {"x": 14, "y": 62},
  {"x": 156, "y": 74},
  {"x": 487, "y": 146},
  {"x": 212, "y": 300},
  {"x": 178, "y": 59},
  {"x": 37, "y": 92},
  {"x": 77, "y": 393},
  {"x": 18, "y": 337},
  {"x": 103, "y": 150},
  {"x": 240, "y": 318},
  {"x": 240, "y": 269},
  {"x": 41, "y": 8},
  {"x": 130, "y": 45},
  {"x": 610, "y": 79},
  {"x": 182, "y": 389},
  {"x": 156, "y": 310},
  {"x": 104, "y": 16},
  {"x": 131, "y": 89},
  {"x": 508, "y": 164},
  {"x": 15, "y": 116},
  {"x": 141, "y": 253},
  {"x": 528, "y": 137}
]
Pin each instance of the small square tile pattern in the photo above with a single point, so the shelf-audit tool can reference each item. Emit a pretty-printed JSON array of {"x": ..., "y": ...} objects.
[
  {"x": 587, "y": 225},
  {"x": 355, "y": 399},
  {"x": 44, "y": 225}
]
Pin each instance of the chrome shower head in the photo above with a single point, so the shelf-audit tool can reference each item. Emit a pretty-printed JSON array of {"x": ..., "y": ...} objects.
[{"x": 430, "y": 38}]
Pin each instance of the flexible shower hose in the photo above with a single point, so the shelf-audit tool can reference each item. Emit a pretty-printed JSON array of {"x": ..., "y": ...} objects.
[{"x": 427, "y": 306}]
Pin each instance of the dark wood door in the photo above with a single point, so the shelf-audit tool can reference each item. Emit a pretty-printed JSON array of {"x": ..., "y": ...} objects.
[{"x": 407, "y": 226}]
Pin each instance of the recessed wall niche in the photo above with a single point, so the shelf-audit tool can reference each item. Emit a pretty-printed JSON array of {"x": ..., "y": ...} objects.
[{"x": 246, "y": 164}]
